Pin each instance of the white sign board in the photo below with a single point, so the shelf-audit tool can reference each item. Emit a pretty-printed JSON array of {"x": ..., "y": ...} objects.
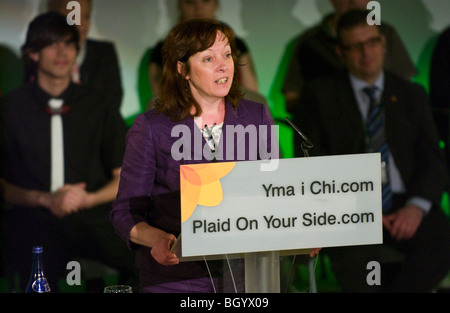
[{"x": 234, "y": 207}]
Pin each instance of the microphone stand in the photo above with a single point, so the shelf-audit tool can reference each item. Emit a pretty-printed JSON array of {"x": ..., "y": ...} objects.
[{"x": 306, "y": 145}]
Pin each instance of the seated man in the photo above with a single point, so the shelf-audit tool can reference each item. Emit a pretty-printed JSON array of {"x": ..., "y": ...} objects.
[
  {"x": 340, "y": 117},
  {"x": 314, "y": 53},
  {"x": 62, "y": 206}
]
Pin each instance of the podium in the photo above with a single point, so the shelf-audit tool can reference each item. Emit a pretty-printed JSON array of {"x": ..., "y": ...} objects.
[
  {"x": 236, "y": 210},
  {"x": 262, "y": 269},
  {"x": 262, "y": 272}
]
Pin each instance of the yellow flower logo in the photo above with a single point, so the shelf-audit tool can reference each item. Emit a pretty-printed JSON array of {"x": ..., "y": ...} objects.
[{"x": 200, "y": 185}]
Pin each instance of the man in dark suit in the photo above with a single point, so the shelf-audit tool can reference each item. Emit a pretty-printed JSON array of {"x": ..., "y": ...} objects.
[
  {"x": 60, "y": 162},
  {"x": 336, "y": 114},
  {"x": 100, "y": 70}
]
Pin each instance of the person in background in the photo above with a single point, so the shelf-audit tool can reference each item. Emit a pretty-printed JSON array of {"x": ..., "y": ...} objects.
[
  {"x": 61, "y": 156},
  {"x": 314, "y": 54},
  {"x": 366, "y": 108},
  {"x": 97, "y": 64},
  {"x": 190, "y": 9},
  {"x": 11, "y": 70},
  {"x": 198, "y": 91},
  {"x": 440, "y": 89}
]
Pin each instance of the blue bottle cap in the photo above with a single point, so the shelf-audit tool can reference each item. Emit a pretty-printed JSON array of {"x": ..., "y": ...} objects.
[{"x": 38, "y": 249}]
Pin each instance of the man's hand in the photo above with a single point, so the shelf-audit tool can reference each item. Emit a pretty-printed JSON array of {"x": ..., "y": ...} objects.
[
  {"x": 68, "y": 199},
  {"x": 403, "y": 224}
]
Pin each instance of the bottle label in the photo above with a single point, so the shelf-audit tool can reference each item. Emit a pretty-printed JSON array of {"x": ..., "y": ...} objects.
[{"x": 41, "y": 285}]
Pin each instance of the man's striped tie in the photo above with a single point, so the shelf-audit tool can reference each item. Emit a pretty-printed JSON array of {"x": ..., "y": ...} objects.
[{"x": 376, "y": 142}]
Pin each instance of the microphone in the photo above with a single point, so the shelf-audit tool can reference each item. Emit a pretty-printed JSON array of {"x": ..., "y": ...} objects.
[{"x": 306, "y": 143}]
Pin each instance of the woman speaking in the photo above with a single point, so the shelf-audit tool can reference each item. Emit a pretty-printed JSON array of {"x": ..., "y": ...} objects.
[{"x": 199, "y": 93}]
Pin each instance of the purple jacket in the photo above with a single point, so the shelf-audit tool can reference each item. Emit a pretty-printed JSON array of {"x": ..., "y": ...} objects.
[{"x": 150, "y": 184}]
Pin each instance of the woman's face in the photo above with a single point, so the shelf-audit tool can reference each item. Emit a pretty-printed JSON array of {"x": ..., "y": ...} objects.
[
  {"x": 211, "y": 71},
  {"x": 191, "y": 9}
]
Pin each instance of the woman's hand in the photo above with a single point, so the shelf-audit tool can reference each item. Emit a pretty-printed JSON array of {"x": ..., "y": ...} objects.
[
  {"x": 161, "y": 251},
  {"x": 158, "y": 240},
  {"x": 314, "y": 252}
]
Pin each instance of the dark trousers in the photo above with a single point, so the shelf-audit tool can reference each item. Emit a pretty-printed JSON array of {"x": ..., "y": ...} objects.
[{"x": 425, "y": 263}]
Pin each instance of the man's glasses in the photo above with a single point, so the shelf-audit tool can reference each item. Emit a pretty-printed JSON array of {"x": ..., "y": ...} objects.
[{"x": 356, "y": 47}]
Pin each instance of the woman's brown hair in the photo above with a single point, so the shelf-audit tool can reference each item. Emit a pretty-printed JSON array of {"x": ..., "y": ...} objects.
[{"x": 183, "y": 41}]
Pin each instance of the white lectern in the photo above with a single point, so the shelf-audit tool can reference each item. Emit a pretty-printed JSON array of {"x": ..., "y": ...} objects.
[
  {"x": 262, "y": 272},
  {"x": 237, "y": 210},
  {"x": 262, "y": 269}
]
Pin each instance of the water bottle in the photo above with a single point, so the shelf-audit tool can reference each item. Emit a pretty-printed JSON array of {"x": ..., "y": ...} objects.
[{"x": 38, "y": 282}]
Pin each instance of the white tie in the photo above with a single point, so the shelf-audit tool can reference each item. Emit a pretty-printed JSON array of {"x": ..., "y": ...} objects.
[{"x": 57, "y": 147}]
